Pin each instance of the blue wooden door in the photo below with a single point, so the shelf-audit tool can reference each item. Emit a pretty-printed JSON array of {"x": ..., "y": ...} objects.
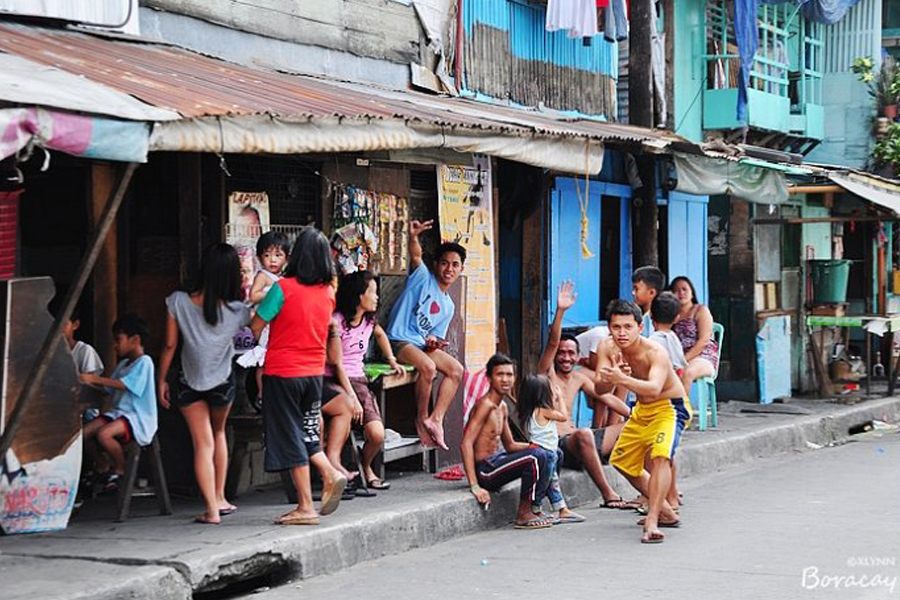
[
  {"x": 566, "y": 260},
  {"x": 687, "y": 240}
]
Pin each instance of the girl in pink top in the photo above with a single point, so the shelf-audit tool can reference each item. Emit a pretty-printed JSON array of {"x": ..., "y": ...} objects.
[
  {"x": 694, "y": 327},
  {"x": 356, "y": 302}
]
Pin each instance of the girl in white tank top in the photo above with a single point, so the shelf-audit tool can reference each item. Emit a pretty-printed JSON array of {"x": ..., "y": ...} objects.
[{"x": 540, "y": 406}]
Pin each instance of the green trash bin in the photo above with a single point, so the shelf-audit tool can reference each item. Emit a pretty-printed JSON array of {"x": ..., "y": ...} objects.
[{"x": 829, "y": 279}]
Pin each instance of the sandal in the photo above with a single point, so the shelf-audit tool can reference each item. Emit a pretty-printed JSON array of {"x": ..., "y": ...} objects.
[
  {"x": 376, "y": 483},
  {"x": 617, "y": 503},
  {"x": 535, "y": 523}
]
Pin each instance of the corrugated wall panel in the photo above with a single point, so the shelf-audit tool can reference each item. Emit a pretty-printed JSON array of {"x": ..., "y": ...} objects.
[
  {"x": 510, "y": 56},
  {"x": 857, "y": 34}
]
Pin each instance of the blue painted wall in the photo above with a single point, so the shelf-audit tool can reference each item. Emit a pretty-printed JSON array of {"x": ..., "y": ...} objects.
[
  {"x": 529, "y": 39},
  {"x": 687, "y": 241}
]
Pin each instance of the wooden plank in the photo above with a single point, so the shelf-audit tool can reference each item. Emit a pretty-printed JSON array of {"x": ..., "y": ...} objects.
[{"x": 105, "y": 274}]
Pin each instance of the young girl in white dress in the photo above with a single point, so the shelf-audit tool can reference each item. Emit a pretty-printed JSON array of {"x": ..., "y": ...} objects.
[{"x": 272, "y": 250}]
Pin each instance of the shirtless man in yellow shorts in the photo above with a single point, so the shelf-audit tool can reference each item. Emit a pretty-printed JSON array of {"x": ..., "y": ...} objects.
[{"x": 660, "y": 415}]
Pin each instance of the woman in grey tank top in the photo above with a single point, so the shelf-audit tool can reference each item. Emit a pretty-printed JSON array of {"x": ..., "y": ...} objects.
[{"x": 205, "y": 321}]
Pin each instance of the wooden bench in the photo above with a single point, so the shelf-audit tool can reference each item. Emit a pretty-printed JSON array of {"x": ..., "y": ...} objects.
[{"x": 249, "y": 428}]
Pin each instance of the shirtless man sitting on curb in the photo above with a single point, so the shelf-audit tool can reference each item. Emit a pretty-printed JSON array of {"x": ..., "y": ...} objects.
[
  {"x": 659, "y": 417},
  {"x": 488, "y": 466},
  {"x": 587, "y": 448}
]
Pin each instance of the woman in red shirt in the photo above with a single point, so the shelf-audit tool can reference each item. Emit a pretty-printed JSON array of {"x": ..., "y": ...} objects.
[{"x": 298, "y": 310}]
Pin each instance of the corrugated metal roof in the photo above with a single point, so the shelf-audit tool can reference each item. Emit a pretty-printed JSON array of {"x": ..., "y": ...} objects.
[{"x": 199, "y": 86}]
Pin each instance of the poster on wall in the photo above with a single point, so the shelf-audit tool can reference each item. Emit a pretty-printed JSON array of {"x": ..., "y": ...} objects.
[
  {"x": 248, "y": 218},
  {"x": 466, "y": 217}
]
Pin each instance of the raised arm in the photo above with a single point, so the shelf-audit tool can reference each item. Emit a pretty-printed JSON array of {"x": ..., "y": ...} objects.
[
  {"x": 415, "y": 248},
  {"x": 467, "y": 449},
  {"x": 704, "y": 333},
  {"x": 565, "y": 299},
  {"x": 165, "y": 361}
]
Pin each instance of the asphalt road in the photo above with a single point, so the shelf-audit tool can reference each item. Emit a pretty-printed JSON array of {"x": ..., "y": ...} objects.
[{"x": 818, "y": 524}]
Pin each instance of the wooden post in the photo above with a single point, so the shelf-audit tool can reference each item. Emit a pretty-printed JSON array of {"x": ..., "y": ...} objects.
[
  {"x": 105, "y": 275},
  {"x": 645, "y": 217},
  {"x": 640, "y": 91},
  {"x": 189, "y": 216},
  {"x": 640, "y": 112},
  {"x": 533, "y": 284}
]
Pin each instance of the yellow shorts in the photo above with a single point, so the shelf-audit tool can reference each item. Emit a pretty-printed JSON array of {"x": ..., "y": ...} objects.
[{"x": 653, "y": 426}]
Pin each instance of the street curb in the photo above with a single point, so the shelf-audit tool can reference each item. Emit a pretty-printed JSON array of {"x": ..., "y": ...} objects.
[
  {"x": 109, "y": 581},
  {"x": 450, "y": 514},
  {"x": 444, "y": 514}
]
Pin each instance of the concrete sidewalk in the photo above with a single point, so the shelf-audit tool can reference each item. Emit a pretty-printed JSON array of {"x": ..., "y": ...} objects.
[{"x": 170, "y": 557}]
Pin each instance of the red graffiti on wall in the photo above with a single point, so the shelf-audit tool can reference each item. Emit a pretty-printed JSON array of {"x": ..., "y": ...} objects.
[{"x": 44, "y": 499}]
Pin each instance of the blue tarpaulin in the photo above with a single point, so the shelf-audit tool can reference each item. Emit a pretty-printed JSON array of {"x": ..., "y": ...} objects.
[{"x": 747, "y": 34}]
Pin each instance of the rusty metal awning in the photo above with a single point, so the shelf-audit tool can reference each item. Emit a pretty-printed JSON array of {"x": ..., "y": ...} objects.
[{"x": 215, "y": 97}]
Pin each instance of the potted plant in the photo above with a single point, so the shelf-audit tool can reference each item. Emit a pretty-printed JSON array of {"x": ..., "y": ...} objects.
[
  {"x": 884, "y": 86},
  {"x": 886, "y": 152}
]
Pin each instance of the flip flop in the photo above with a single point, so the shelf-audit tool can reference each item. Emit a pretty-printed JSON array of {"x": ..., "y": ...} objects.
[
  {"x": 616, "y": 504},
  {"x": 229, "y": 510},
  {"x": 573, "y": 518},
  {"x": 378, "y": 484},
  {"x": 204, "y": 520},
  {"x": 664, "y": 525},
  {"x": 331, "y": 497},
  {"x": 297, "y": 521},
  {"x": 535, "y": 523}
]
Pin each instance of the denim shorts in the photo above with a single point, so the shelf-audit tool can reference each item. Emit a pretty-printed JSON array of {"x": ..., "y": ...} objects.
[{"x": 218, "y": 397}]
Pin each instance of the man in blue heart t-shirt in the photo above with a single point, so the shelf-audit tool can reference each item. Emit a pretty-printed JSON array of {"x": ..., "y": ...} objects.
[{"x": 418, "y": 326}]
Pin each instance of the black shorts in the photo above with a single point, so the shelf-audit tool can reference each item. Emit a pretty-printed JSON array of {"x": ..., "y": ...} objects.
[
  {"x": 218, "y": 397},
  {"x": 570, "y": 461},
  {"x": 291, "y": 410}
]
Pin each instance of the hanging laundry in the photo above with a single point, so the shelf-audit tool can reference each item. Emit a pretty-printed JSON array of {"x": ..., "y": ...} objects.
[
  {"x": 658, "y": 67},
  {"x": 578, "y": 18},
  {"x": 615, "y": 27}
]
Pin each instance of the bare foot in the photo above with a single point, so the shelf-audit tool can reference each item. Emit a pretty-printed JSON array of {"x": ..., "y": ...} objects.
[
  {"x": 652, "y": 536},
  {"x": 436, "y": 430},
  {"x": 424, "y": 435}
]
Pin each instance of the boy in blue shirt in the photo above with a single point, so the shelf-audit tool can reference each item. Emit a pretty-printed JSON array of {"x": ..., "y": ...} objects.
[
  {"x": 418, "y": 326},
  {"x": 131, "y": 384}
]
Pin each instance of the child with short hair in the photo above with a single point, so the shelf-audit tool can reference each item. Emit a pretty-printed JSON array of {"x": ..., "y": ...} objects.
[
  {"x": 83, "y": 354},
  {"x": 663, "y": 311},
  {"x": 646, "y": 284},
  {"x": 539, "y": 407},
  {"x": 272, "y": 249},
  {"x": 134, "y": 413}
]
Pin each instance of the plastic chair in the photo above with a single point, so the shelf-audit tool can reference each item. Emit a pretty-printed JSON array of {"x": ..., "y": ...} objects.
[{"x": 706, "y": 386}]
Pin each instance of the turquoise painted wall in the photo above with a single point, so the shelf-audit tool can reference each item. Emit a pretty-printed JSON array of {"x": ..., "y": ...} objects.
[
  {"x": 688, "y": 77},
  {"x": 848, "y": 133}
]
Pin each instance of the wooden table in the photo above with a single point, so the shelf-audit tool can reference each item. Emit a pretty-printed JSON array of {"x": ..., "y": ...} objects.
[{"x": 408, "y": 445}]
